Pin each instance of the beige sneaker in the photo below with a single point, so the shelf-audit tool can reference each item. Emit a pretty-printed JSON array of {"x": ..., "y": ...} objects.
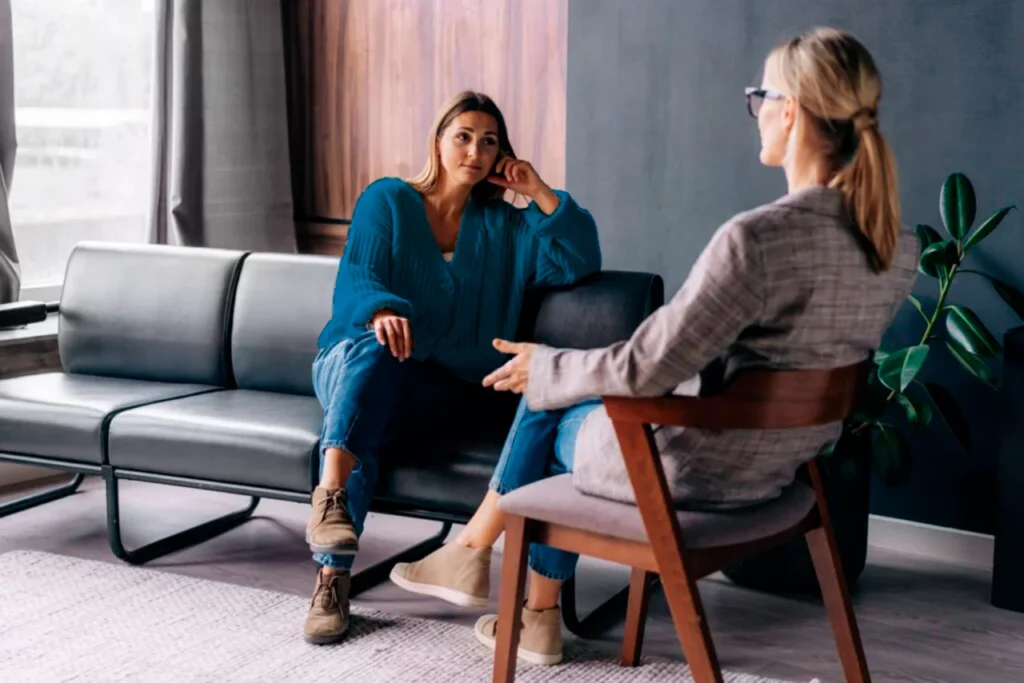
[
  {"x": 327, "y": 620},
  {"x": 330, "y": 528},
  {"x": 540, "y": 640},
  {"x": 453, "y": 572}
]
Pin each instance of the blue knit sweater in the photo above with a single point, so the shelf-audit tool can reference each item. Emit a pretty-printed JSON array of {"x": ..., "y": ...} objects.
[{"x": 455, "y": 308}]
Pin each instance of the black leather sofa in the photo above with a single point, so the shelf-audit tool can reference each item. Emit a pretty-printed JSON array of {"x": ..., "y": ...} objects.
[{"x": 191, "y": 367}]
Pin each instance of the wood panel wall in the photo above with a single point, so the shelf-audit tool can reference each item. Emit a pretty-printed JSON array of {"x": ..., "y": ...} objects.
[{"x": 366, "y": 78}]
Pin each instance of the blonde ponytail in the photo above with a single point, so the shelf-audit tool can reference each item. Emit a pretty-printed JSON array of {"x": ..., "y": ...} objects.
[
  {"x": 834, "y": 79},
  {"x": 871, "y": 188}
]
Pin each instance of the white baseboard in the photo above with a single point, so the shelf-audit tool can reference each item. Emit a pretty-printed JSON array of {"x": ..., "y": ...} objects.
[{"x": 947, "y": 545}]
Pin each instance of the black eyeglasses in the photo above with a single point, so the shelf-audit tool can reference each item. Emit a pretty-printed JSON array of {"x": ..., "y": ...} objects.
[{"x": 757, "y": 96}]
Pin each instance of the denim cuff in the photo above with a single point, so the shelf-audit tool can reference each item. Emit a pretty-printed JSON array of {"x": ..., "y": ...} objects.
[
  {"x": 549, "y": 575},
  {"x": 334, "y": 561}
]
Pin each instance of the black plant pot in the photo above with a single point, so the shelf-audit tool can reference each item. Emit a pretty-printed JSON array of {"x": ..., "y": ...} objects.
[{"x": 788, "y": 568}]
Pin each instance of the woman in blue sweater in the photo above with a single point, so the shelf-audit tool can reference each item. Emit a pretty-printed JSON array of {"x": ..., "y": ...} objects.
[{"x": 435, "y": 268}]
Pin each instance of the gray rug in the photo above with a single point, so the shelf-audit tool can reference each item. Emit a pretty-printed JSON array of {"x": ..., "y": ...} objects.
[{"x": 64, "y": 619}]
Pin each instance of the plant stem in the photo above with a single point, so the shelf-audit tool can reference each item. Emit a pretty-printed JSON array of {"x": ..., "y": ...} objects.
[{"x": 943, "y": 293}]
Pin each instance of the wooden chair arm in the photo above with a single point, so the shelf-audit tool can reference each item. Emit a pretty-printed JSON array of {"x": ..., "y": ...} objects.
[{"x": 724, "y": 412}]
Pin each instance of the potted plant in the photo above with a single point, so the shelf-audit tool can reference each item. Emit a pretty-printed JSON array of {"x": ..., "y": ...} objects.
[{"x": 871, "y": 440}]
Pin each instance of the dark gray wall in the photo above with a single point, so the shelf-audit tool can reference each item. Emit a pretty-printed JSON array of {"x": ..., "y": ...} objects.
[{"x": 662, "y": 151}]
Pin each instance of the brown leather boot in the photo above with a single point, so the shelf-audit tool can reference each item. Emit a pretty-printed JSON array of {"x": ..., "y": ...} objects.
[
  {"x": 327, "y": 620},
  {"x": 330, "y": 529}
]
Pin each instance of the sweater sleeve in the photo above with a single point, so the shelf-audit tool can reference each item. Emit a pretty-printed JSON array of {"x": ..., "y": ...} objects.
[
  {"x": 567, "y": 243},
  {"x": 364, "y": 274},
  {"x": 723, "y": 295}
]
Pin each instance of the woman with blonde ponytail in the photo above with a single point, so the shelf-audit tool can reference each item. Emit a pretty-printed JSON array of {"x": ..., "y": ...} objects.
[{"x": 811, "y": 280}]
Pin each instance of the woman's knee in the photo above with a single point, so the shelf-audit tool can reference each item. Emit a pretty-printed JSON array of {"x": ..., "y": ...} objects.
[{"x": 353, "y": 367}]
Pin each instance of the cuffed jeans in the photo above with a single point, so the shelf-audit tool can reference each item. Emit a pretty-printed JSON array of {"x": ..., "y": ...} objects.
[
  {"x": 541, "y": 444},
  {"x": 370, "y": 398}
]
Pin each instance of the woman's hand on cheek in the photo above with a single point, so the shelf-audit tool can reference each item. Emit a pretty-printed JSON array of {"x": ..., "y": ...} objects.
[{"x": 515, "y": 374}]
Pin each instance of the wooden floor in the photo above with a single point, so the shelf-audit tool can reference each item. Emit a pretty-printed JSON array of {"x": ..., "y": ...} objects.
[{"x": 921, "y": 621}]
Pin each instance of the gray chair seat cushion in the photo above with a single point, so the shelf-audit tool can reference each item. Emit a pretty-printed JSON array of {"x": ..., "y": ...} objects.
[
  {"x": 237, "y": 436},
  {"x": 61, "y": 416},
  {"x": 557, "y": 500}
]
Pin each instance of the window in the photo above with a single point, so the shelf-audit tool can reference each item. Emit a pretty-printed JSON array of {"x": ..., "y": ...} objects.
[{"x": 82, "y": 78}]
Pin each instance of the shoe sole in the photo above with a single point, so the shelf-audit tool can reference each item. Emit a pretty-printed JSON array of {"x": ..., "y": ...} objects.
[
  {"x": 331, "y": 549},
  {"x": 325, "y": 639},
  {"x": 447, "y": 594},
  {"x": 525, "y": 655}
]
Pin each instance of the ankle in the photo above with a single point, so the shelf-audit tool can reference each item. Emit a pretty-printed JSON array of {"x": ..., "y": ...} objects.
[
  {"x": 328, "y": 572},
  {"x": 331, "y": 485},
  {"x": 541, "y": 606}
]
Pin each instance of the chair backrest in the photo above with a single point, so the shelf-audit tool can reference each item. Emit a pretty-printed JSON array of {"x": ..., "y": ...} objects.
[
  {"x": 281, "y": 305},
  {"x": 755, "y": 399},
  {"x": 148, "y": 312},
  {"x": 595, "y": 312}
]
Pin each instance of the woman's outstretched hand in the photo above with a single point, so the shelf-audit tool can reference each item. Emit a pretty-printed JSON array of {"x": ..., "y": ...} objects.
[
  {"x": 515, "y": 374},
  {"x": 521, "y": 177},
  {"x": 394, "y": 332}
]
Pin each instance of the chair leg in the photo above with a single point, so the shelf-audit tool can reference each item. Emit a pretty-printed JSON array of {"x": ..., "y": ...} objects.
[
  {"x": 640, "y": 585},
  {"x": 837, "y": 603},
  {"x": 510, "y": 599},
  {"x": 692, "y": 628}
]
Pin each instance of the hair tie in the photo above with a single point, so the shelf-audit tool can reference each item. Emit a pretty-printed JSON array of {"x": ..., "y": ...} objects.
[{"x": 864, "y": 118}]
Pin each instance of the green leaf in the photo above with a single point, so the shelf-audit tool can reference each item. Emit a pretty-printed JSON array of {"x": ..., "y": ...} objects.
[
  {"x": 972, "y": 363},
  {"x": 965, "y": 327},
  {"x": 988, "y": 226},
  {"x": 1010, "y": 294},
  {"x": 957, "y": 205},
  {"x": 880, "y": 356},
  {"x": 890, "y": 456},
  {"x": 918, "y": 413},
  {"x": 917, "y": 304},
  {"x": 938, "y": 258},
  {"x": 901, "y": 367},
  {"x": 950, "y": 413},
  {"x": 927, "y": 236}
]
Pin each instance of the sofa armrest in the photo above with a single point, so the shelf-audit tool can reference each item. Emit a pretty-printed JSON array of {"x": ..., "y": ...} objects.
[{"x": 18, "y": 313}]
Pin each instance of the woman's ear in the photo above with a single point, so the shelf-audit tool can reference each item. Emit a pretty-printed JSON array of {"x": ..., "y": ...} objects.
[{"x": 789, "y": 112}]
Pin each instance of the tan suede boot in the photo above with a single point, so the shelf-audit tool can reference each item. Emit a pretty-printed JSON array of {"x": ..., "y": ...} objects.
[
  {"x": 330, "y": 529},
  {"x": 540, "y": 640},
  {"x": 453, "y": 572},
  {"x": 327, "y": 620}
]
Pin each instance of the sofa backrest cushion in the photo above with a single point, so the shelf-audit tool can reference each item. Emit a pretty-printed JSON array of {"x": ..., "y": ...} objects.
[
  {"x": 148, "y": 312},
  {"x": 600, "y": 310},
  {"x": 281, "y": 305}
]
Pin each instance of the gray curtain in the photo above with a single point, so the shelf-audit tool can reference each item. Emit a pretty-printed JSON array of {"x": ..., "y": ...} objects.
[
  {"x": 10, "y": 271},
  {"x": 222, "y": 175}
]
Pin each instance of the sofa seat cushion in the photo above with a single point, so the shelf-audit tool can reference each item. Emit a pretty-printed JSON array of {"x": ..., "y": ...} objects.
[
  {"x": 557, "y": 500},
  {"x": 237, "y": 436},
  {"x": 446, "y": 474},
  {"x": 63, "y": 416}
]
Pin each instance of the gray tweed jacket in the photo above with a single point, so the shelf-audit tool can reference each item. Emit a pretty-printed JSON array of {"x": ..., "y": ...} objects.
[{"x": 784, "y": 286}]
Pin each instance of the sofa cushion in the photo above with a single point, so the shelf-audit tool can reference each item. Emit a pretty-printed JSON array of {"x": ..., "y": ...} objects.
[
  {"x": 595, "y": 312},
  {"x": 60, "y": 416},
  {"x": 441, "y": 475},
  {"x": 557, "y": 500},
  {"x": 235, "y": 436},
  {"x": 282, "y": 304},
  {"x": 147, "y": 312}
]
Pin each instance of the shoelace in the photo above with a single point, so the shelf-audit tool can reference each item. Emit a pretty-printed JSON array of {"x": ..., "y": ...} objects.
[
  {"x": 325, "y": 591},
  {"x": 332, "y": 501}
]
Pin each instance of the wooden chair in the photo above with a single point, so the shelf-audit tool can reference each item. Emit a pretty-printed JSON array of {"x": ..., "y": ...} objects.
[{"x": 655, "y": 539}]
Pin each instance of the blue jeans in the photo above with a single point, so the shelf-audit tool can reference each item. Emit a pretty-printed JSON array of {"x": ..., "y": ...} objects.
[
  {"x": 369, "y": 398},
  {"x": 541, "y": 444}
]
